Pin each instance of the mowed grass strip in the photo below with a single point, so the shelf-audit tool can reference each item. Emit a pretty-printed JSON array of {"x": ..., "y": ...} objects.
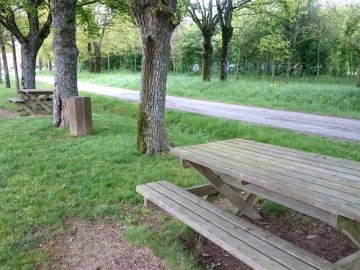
[
  {"x": 48, "y": 177},
  {"x": 321, "y": 95}
]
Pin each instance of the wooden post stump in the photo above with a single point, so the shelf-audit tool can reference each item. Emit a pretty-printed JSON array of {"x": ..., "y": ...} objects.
[{"x": 80, "y": 117}]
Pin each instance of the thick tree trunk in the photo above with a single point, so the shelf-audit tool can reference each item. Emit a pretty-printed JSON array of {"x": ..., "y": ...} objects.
[
  {"x": 156, "y": 27},
  {"x": 13, "y": 48},
  {"x": 207, "y": 56},
  {"x": 5, "y": 63},
  {"x": 28, "y": 64},
  {"x": 226, "y": 34},
  {"x": 65, "y": 57}
]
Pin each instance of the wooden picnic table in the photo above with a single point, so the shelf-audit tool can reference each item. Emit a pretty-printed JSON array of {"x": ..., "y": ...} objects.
[
  {"x": 327, "y": 188},
  {"x": 323, "y": 187},
  {"x": 35, "y": 99}
]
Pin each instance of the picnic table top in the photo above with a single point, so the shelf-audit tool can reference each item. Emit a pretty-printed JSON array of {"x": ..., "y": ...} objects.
[
  {"x": 328, "y": 183},
  {"x": 36, "y": 91}
]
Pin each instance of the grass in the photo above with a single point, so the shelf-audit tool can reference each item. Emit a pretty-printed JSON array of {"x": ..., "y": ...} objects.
[
  {"x": 323, "y": 95},
  {"x": 48, "y": 177}
]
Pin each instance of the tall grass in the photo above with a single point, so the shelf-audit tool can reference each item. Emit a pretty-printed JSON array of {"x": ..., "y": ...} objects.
[
  {"x": 48, "y": 177},
  {"x": 322, "y": 95}
]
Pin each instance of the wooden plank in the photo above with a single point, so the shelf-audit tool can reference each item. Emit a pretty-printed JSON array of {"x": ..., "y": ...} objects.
[
  {"x": 203, "y": 190},
  {"x": 273, "y": 247},
  {"x": 330, "y": 204},
  {"x": 351, "y": 228},
  {"x": 345, "y": 163},
  {"x": 347, "y": 185},
  {"x": 301, "y": 207},
  {"x": 227, "y": 191},
  {"x": 309, "y": 160},
  {"x": 221, "y": 238},
  {"x": 282, "y": 161},
  {"x": 17, "y": 100},
  {"x": 351, "y": 262},
  {"x": 239, "y": 164}
]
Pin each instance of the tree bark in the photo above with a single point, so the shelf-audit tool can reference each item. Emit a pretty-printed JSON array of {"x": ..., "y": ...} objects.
[
  {"x": 28, "y": 64},
  {"x": 1, "y": 79},
  {"x": 288, "y": 68},
  {"x": 226, "y": 34},
  {"x": 15, "y": 64},
  {"x": 207, "y": 56},
  {"x": 358, "y": 82},
  {"x": 65, "y": 57},
  {"x": 5, "y": 63},
  {"x": 156, "y": 27}
]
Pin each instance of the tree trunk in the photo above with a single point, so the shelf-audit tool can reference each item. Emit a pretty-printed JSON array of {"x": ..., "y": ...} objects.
[
  {"x": 97, "y": 57},
  {"x": 226, "y": 34},
  {"x": 15, "y": 64},
  {"x": 1, "y": 79},
  {"x": 358, "y": 83},
  {"x": 318, "y": 59},
  {"x": 5, "y": 63},
  {"x": 288, "y": 69},
  {"x": 238, "y": 64},
  {"x": 28, "y": 64},
  {"x": 273, "y": 70},
  {"x": 65, "y": 57},
  {"x": 40, "y": 64},
  {"x": 207, "y": 56},
  {"x": 156, "y": 27}
]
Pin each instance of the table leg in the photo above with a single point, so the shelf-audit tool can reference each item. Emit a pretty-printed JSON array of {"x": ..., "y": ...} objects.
[
  {"x": 40, "y": 103},
  {"x": 226, "y": 190},
  {"x": 350, "y": 227},
  {"x": 27, "y": 109}
]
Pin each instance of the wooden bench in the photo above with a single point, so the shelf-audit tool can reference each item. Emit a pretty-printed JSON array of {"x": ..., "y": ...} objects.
[
  {"x": 22, "y": 104},
  {"x": 249, "y": 243}
]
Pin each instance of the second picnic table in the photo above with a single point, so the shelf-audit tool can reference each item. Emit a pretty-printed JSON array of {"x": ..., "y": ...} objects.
[{"x": 37, "y": 99}]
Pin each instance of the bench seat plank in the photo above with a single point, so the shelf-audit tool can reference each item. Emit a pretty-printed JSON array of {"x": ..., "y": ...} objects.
[
  {"x": 17, "y": 100},
  {"x": 252, "y": 245}
]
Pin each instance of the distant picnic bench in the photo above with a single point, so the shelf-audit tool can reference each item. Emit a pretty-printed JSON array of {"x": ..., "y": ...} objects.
[
  {"x": 34, "y": 101},
  {"x": 323, "y": 187}
]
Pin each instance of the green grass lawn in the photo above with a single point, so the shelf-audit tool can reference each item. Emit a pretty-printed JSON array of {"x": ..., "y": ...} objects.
[
  {"x": 48, "y": 177},
  {"x": 322, "y": 95}
]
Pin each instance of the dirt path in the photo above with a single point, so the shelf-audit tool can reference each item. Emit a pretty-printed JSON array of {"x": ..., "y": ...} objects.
[
  {"x": 343, "y": 128},
  {"x": 99, "y": 246}
]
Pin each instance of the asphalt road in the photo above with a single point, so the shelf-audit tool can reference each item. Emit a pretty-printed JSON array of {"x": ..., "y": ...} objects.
[{"x": 343, "y": 128}]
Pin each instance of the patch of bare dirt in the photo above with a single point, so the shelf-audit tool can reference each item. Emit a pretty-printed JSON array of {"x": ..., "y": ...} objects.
[
  {"x": 303, "y": 231},
  {"x": 6, "y": 114},
  {"x": 99, "y": 246}
]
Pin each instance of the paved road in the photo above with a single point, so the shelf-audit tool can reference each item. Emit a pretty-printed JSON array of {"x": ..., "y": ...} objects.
[{"x": 337, "y": 127}]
